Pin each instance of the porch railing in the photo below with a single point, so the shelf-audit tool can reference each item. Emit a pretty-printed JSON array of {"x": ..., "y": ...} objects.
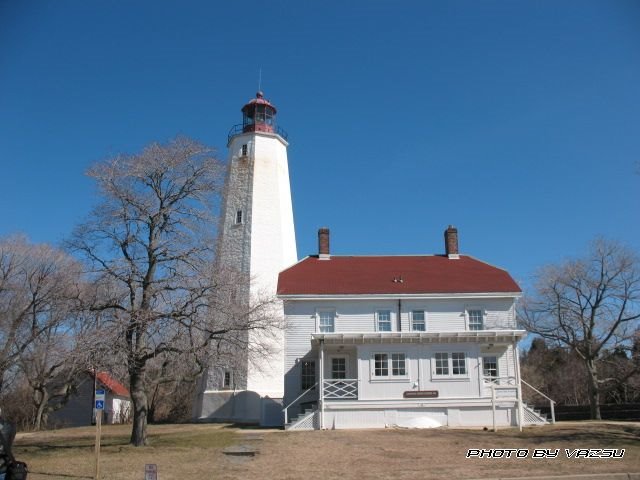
[
  {"x": 503, "y": 388},
  {"x": 341, "y": 389},
  {"x": 240, "y": 128}
]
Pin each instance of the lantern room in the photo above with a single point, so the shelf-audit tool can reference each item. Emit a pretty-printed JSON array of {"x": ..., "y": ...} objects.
[{"x": 258, "y": 115}]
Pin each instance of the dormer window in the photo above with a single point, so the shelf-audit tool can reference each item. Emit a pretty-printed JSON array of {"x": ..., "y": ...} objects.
[
  {"x": 417, "y": 321},
  {"x": 327, "y": 321},
  {"x": 476, "y": 319},
  {"x": 383, "y": 320}
]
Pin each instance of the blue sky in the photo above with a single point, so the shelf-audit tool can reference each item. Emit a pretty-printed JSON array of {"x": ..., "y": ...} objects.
[{"x": 518, "y": 122}]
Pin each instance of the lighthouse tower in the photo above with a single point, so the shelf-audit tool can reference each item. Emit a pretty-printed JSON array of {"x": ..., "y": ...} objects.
[{"x": 256, "y": 240}]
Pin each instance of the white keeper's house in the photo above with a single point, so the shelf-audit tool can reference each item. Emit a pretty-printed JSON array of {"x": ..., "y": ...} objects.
[{"x": 413, "y": 341}]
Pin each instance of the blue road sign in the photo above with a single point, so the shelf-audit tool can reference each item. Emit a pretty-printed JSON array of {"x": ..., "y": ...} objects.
[{"x": 99, "y": 404}]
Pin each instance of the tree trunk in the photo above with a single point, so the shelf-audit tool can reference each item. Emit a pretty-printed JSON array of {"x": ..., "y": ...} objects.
[
  {"x": 41, "y": 398},
  {"x": 139, "y": 399},
  {"x": 594, "y": 390}
]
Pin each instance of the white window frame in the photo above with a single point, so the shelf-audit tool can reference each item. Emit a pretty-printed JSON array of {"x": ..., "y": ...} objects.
[
  {"x": 424, "y": 320},
  {"x": 450, "y": 375},
  {"x": 390, "y": 376},
  {"x": 319, "y": 311},
  {"x": 377, "y": 320},
  {"x": 302, "y": 375},
  {"x": 435, "y": 365},
  {"x": 468, "y": 318},
  {"x": 487, "y": 355},
  {"x": 465, "y": 364},
  {"x": 346, "y": 367}
]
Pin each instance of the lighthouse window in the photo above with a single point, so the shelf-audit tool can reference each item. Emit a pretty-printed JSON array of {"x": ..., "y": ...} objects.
[
  {"x": 263, "y": 114},
  {"x": 238, "y": 217},
  {"x": 260, "y": 113},
  {"x": 244, "y": 150},
  {"x": 226, "y": 383}
]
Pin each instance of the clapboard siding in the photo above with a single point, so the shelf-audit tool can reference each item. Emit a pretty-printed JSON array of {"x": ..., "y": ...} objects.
[
  {"x": 499, "y": 314},
  {"x": 359, "y": 316},
  {"x": 300, "y": 324},
  {"x": 78, "y": 411}
]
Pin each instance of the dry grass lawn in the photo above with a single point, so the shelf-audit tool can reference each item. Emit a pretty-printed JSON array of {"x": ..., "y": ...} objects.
[{"x": 195, "y": 452}]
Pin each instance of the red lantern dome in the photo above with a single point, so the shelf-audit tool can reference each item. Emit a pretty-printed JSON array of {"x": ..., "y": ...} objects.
[{"x": 258, "y": 115}]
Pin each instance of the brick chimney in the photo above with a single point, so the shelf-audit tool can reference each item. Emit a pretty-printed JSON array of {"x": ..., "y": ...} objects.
[
  {"x": 451, "y": 242},
  {"x": 323, "y": 243}
]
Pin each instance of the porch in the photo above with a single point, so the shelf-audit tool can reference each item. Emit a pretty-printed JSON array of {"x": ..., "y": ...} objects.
[
  {"x": 340, "y": 408},
  {"x": 361, "y": 375},
  {"x": 400, "y": 365}
]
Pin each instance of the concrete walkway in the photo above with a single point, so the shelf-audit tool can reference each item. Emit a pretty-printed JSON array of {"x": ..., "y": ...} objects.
[{"x": 247, "y": 448}]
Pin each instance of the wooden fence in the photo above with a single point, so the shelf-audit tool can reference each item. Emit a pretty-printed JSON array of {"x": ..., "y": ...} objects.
[{"x": 629, "y": 411}]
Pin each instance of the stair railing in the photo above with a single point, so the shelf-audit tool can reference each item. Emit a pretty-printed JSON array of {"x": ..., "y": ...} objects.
[
  {"x": 285, "y": 409},
  {"x": 551, "y": 402}
]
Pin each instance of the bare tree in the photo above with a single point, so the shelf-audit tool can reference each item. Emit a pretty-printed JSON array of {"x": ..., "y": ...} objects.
[
  {"x": 36, "y": 283},
  {"x": 150, "y": 246},
  {"x": 171, "y": 381},
  {"x": 54, "y": 364},
  {"x": 555, "y": 370},
  {"x": 588, "y": 304}
]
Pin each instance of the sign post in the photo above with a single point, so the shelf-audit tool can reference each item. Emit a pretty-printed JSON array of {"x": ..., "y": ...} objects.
[
  {"x": 151, "y": 471},
  {"x": 99, "y": 397}
]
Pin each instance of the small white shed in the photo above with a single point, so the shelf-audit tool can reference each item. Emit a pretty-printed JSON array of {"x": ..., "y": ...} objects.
[{"x": 79, "y": 410}]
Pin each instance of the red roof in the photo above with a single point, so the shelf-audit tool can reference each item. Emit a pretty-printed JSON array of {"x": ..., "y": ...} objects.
[
  {"x": 369, "y": 275},
  {"x": 259, "y": 100},
  {"x": 112, "y": 384}
]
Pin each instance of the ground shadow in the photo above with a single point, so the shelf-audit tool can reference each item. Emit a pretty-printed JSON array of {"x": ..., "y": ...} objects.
[
  {"x": 65, "y": 475},
  {"x": 611, "y": 434},
  {"x": 31, "y": 446},
  {"x": 248, "y": 426}
]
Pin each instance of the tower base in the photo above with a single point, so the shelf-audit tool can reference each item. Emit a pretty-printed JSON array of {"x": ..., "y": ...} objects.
[{"x": 239, "y": 406}]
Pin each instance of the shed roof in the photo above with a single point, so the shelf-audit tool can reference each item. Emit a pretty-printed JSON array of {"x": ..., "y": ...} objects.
[{"x": 112, "y": 384}]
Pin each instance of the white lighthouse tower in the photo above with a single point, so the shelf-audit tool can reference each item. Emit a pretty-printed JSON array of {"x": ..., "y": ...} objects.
[{"x": 257, "y": 240}]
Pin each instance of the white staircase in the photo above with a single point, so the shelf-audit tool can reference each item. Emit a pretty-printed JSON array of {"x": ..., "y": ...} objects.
[
  {"x": 532, "y": 416},
  {"x": 307, "y": 420},
  {"x": 535, "y": 417}
]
